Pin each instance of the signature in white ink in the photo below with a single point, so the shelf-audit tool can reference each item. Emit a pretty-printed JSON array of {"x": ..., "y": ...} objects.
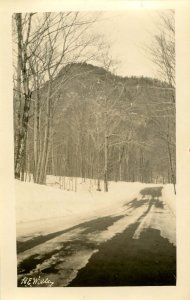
[{"x": 36, "y": 281}]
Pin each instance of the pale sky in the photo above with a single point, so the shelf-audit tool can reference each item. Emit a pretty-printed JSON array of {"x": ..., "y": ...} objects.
[{"x": 128, "y": 32}]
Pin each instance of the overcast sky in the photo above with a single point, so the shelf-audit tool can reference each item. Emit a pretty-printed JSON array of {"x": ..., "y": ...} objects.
[{"x": 128, "y": 32}]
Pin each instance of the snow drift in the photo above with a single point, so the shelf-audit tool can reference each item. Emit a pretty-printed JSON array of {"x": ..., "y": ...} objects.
[{"x": 44, "y": 209}]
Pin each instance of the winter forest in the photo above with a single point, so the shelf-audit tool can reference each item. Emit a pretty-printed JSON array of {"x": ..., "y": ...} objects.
[
  {"x": 94, "y": 148},
  {"x": 75, "y": 117}
]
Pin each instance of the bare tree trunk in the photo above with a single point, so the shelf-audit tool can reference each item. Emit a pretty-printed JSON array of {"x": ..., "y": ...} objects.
[
  {"x": 171, "y": 168},
  {"x": 106, "y": 164},
  {"x": 98, "y": 185},
  {"x": 36, "y": 132},
  {"x": 45, "y": 152},
  {"x": 24, "y": 160},
  {"x": 22, "y": 138},
  {"x": 52, "y": 154},
  {"x": 18, "y": 103},
  {"x": 22, "y": 61},
  {"x": 18, "y": 123},
  {"x": 39, "y": 156},
  {"x": 121, "y": 152}
]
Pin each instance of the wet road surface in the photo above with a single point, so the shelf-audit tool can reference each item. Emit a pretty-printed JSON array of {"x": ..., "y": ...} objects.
[{"x": 133, "y": 247}]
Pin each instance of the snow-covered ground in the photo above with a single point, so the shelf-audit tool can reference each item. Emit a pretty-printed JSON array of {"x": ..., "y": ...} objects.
[
  {"x": 169, "y": 197},
  {"x": 44, "y": 209},
  {"x": 41, "y": 210}
]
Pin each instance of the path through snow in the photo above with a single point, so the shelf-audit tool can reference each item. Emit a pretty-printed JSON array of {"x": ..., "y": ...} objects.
[{"x": 62, "y": 254}]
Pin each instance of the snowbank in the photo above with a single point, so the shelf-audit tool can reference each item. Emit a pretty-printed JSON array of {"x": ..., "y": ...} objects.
[
  {"x": 169, "y": 197},
  {"x": 42, "y": 208}
]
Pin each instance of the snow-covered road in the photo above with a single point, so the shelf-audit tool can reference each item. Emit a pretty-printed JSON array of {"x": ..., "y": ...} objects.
[{"x": 137, "y": 238}]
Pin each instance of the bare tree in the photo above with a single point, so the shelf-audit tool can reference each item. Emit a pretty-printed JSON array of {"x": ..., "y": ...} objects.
[
  {"x": 23, "y": 29},
  {"x": 109, "y": 114},
  {"x": 46, "y": 43},
  {"x": 162, "y": 49},
  {"x": 163, "y": 55}
]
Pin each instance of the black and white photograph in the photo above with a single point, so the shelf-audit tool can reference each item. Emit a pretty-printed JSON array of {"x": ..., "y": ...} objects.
[
  {"x": 94, "y": 137},
  {"x": 94, "y": 153}
]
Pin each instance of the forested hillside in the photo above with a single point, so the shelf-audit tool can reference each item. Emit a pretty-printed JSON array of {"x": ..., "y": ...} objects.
[
  {"x": 102, "y": 126},
  {"x": 79, "y": 119}
]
